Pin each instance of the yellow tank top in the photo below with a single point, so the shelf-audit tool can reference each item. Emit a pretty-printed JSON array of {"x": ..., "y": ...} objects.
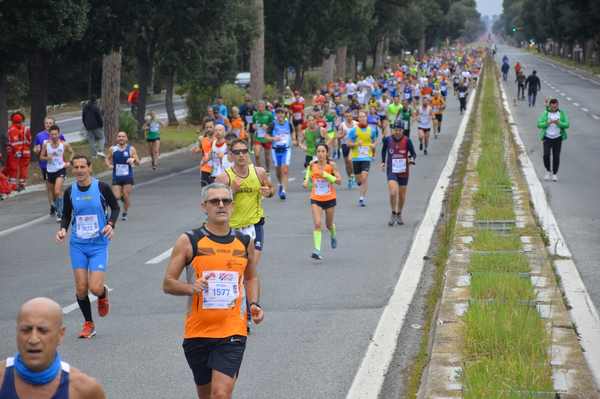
[
  {"x": 247, "y": 206},
  {"x": 362, "y": 152}
]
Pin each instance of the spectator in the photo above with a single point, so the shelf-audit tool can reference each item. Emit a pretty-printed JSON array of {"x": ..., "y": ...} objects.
[
  {"x": 133, "y": 99},
  {"x": 92, "y": 121},
  {"x": 533, "y": 84},
  {"x": 553, "y": 124}
]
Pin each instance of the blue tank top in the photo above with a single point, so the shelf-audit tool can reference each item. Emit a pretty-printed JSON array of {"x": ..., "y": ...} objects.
[
  {"x": 372, "y": 121},
  {"x": 8, "y": 390},
  {"x": 89, "y": 215},
  {"x": 121, "y": 169},
  {"x": 283, "y": 130}
]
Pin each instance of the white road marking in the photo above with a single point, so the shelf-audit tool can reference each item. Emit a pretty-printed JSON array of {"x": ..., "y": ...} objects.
[
  {"x": 585, "y": 109},
  {"x": 562, "y": 94},
  {"x": 291, "y": 179},
  {"x": 68, "y": 309},
  {"x": 161, "y": 257},
  {"x": 370, "y": 376},
  {"x": 583, "y": 312},
  {"x": 576, "y": 104},
  {"x": 24, "y": 225},
  {"x": 568, "y": 98},
  {"x": 596, "y": 117}
]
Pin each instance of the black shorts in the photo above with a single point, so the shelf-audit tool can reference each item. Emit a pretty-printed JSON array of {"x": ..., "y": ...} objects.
[
  {"x": 402, "y": 181},
  {"x": 205, "y": 179},
  {"x": 438, "y": 117},
  {"x": 297, "y": 122},
  {"x": 207, "y": 354},
  {"x": 425, "y": 129},
  {"x": 360, "y": 166},
  {"x": 122, "y": 181},
  {"x": 259, "y": 231},
  {"x": 52, "y": 176},
  {"x": 307, "y": 160},
  {"x": 153, "y": 140},
  {"x": 345, "y": 150},
  {"x": 324, "y": 204}
]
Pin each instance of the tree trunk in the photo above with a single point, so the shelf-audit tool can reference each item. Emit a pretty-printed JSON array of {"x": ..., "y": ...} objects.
[
  {"x": 111, "y": 90},
  {"x": 3, "y": 112},
  {"x": 257, "y": 54},
  {"x": 298, "y": 78},
  {"x": 90, "y": 73},
  {"x": 422, "y": 45},
  {"x": 379, "y": 50},
  {"x": 327, "y": 68},
  {"x": 352, "y": 71},
  {"x": 145, "y": 59},
  {"x": 281, "y": 71},
  {"x": 340, "y": 62},
  {"x": 169, "y": 86},
  {"x": 38, "y": 81}
]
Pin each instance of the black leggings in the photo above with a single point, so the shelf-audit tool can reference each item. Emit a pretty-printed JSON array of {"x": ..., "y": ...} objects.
[{"x": 553, "y": 145}]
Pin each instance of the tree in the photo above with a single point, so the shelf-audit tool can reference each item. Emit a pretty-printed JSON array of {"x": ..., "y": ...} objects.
[{"x": 257, "y": 53}]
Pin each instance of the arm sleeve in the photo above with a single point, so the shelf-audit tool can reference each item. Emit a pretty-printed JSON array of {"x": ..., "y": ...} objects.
[
  {"x": 67, "y": 209},
  {"x": 384, "y": 149},
  {"x": 112, "y": 202}
]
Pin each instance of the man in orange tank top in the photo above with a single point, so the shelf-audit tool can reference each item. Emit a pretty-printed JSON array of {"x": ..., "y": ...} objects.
[{"x": 219, "y": 269}]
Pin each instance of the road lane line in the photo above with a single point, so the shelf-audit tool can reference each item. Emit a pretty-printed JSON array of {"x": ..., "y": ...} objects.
[
  {"x": 596, "y": 117},
  {"x": 585, "y": 109},
  {"x": 576, "y": 104},
  {"x": 568, "y": 98},
  {"x": 24, "y": 225},
  {"x": 161, "y": 257},
  {"x": 562, "y": 94},
  {"x": 371, "y": 374},
  {"x": 68, "y": 309},
  {"x": 583, "y": 312}
]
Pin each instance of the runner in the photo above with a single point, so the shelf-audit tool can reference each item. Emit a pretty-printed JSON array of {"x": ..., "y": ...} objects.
[
  {"x": 37, "y": 371},
  {"x": 204, "y": 147},
  {"x": 261, "y": 120},
  {"x": 282, "y": 131},
  {"x": 347, "y": 124},
  {"x": 397, "y": 154},
  {"x": 406, "y": 117},
  {"x": 310, "y": 136},
  {"x": 237, "y": 124},
  {"x": 393, "y": 110},
  {"x": 37, "y": 148},
  {"x": 121, "y": 158},
  {"x": 220, "y": 268},
  {"x": 438, "y": 105},
  {"x": 463, "y": 91},
  {"x": 296, "y": 107},
  {"x": 53, "y": 152},
  {"x": 218, "y": 152},
  {"x": 85, "y": 209},
  {"x": 321, "y": 174},
  {"x": 425, "y": 121},
  {"x": 361, "y": 140},
  {"x": 152, "y": 129}
]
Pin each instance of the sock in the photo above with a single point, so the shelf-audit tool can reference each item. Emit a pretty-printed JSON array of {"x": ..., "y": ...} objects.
[
  {"x": 317, "y": 239},
  {"x": 86, "y": 308},
  {"x": 332, "y": 231}
]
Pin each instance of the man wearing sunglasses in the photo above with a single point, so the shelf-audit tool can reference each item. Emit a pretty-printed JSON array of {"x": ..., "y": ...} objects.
[{"x": 219, "y": 267}]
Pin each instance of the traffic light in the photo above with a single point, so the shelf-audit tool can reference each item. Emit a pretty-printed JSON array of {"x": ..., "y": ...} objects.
[{"x": 514, "y": 28}]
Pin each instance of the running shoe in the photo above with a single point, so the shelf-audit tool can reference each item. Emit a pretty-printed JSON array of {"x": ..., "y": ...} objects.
[
  {"x": 392, "y": 220},
  {"x": 316, "y": 255},
  {"x": 124, "y": 216},
  {"x": 362, "y": 202},
  {"x": 425, "y": 151},
  {"x": 333, "y": 242},
  {"x": 88, "y": 330},
  {"x": 420, "y": 146},
  {"x": 101, "y": 154},
  {"x": 399, "y": 220},
  {"x": 547, "y": 176},
  {"x": 103, "y": 305},
  {"x": 282, "y": 195},
  {"x": 58, "y": 219},
  {"x": 554, "y": 178}
]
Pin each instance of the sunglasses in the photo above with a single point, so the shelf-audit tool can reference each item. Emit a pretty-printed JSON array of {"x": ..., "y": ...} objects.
[
  {"x": 238, "y": 152},
  {"x": 217, "y": 201}
]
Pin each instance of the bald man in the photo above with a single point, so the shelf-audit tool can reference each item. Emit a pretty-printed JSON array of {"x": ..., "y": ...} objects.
[{"x": 37, "y": 370}]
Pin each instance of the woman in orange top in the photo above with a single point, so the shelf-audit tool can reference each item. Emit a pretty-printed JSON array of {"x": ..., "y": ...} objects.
[
  {"x": 322, "y": 174},
  {"x": 204, "y": 147},
  {"x": 237, "y": 124}
]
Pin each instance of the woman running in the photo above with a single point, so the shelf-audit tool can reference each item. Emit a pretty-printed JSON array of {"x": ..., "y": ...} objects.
[
  {"x": 321, "y": 174},
  {"x": 152, "y": 129}
]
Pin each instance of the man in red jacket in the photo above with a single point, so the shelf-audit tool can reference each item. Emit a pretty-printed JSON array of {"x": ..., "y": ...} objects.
[
  {"x": 133, "y": 98},
  {"x": 18, "y": 151}
]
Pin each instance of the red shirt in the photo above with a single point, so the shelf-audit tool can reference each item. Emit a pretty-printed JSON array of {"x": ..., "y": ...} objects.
[{"x": 297, "y": 109}]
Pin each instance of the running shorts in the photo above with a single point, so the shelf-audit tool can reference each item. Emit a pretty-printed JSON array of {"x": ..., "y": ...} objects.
[
  {"x": 256, "y": 232},
  {"x": 151, "y": 140},
  {"x": 52, "y": 176},
  {"x": 425, "y": 129},
  {"x": 266, "y": 145},
  {"x": 345, "y": 150},
  {"x": 92, "y": 257},
  {"x": 361, "y": 166},
  {"x": 297, "y": 122},
  {"x": 402, "y": 181},
  {"x": 207, "y": 354},
  {"x": 438, "y": 117},
  {"x": 281, "y": 156},
  {"x": 44, "y": 174},
  {"x": 122, "y": 181},
  {"x": 205, "y": 179},
  {"x": 307, "y": 160},
  {"x": 324, "y": 204}
]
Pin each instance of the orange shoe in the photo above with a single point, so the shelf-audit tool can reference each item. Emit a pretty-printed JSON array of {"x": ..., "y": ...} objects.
[
  {"x": 103, "y": 305},
  {"x": 88, "y": 330}
]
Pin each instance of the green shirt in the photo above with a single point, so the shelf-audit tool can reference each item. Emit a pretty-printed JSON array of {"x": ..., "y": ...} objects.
[
  {"x": 392, "y": 111},
  {"x": 262, "y": 118},
  {"x": 310, "y": 140},
  {"x": 406, "y": 115},
  {"x": 330, "y": 118}
]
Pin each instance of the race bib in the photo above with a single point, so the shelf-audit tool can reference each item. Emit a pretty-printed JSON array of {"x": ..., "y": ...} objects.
[
  {"x": 87, "y": 226},
  {"x": 122, "y": 169},
  {"x": 462, "y": 94},
  {"x": 222, "y": 291},
  {"x": 398, "y": 165},
  {"x": 297, "y": 116},
  {"x": 322, "y": 187},
  {"x": 236, "y": 132},
  {"x": 407, "y": 96},
  {"x": 364, "y": 151},
  {"x": 248, "y": 119},
  {"x": 329, "y": 126},
  {"x": 260, "y": 133}
]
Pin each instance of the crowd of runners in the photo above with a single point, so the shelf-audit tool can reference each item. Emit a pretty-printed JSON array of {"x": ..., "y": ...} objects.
[{"x": 339, "y": 131}]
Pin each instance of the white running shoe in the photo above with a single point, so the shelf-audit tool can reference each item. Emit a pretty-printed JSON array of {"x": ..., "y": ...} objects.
[
  {"x": 547, "y": 176},
  {"x": 554, "y": 178}
]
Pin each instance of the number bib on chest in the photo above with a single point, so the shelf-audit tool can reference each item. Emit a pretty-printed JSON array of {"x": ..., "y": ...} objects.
[
  {"x": 297, "y": 116},
  {"x": 87, "y": 226},
  {"x": 364, "y": 151},
  {"x": 260, "y": 132},
  {"x": 122, "y": 169},
  {"x": 222, "y": 291},
  {"x": 321, "y": 187},
  {"x": 398, "y": 165}
]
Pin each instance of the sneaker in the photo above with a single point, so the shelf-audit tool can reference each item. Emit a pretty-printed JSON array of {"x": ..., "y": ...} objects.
[
  {"x": 420, "y": 146},
  {"x": 58, "y": 219},
  {"x": 554, "y": 178},
  {"x": 362, "y": 202},
  {"x": 316, "y": 255},
  {"x": 88, "y": 330},
  {"x": 282, "y": 195},
  {"x": 101, "y": 154},
  {"x": 124, "y": 216},
  {"x": 103, "y": 305},
  {"x": 399, "y": 220},
  {"x": 435, "y": 135},
  {"x": 279, "y": 190},
  {"x": 425, "y": 151},
  {"x": 392, "y": 220},
  {"x": 547, "y": 176},
  {"x": 333, "y": 242}
]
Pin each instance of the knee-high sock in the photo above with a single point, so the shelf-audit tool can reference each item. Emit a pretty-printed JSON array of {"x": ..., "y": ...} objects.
[
  {"x": 317, "y": 239},
  {"x": 86, "y": 307},
  {"x": 332, "y": 231}
]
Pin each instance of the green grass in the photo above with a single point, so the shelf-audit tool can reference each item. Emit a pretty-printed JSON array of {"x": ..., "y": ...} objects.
[
  {"x": 501, "y": 287},
  {"x": 489, "y": 240},
  {"x": 500, "y": 262}
]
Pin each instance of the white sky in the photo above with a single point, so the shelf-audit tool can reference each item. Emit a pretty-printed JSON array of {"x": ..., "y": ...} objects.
[{"x": 489, "y": 7}]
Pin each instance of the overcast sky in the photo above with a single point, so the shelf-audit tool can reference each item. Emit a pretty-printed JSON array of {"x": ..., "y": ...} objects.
[{"x": 489, "y": 7}]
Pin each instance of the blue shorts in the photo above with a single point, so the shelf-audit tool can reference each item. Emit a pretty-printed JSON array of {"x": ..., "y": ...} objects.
[
  {"x": 89, "y": 256},
  {"x": 281, "y": 156}
]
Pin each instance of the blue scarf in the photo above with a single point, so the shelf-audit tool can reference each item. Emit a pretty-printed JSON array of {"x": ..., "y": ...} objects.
[{"x": 37, "y": 377}]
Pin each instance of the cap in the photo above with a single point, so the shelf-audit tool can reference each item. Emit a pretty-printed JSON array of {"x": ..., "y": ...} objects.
[
  {"x": 17, "y": 117},
  {"x": 136, "y": 86}
]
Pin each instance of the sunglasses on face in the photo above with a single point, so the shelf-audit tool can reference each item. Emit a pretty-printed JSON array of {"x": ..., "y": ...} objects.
[
  {"x": 240, "y": 151},
  {"x": 217, "y": 201}
]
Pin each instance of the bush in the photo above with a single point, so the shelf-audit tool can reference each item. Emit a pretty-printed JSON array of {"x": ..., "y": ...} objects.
[
  {"x": 197, "y": 100},
  {"x": 312, "y": 82},
  {"x": 128, "y": 124},
  {"x": 232, "y": 94},
  {"x": 271, "y": 92}
]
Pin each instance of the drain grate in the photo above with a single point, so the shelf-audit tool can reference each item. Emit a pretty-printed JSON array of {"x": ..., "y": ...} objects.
[{"x": 499, "y": 226}]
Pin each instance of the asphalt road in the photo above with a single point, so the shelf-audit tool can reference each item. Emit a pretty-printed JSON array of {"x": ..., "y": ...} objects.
[
  {"x": 574, "y": 198},
  {"x": 319, "y": 315}
]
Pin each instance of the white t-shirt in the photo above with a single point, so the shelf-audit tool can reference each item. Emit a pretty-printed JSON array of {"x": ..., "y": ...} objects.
[{"x": 553, "y": 131}]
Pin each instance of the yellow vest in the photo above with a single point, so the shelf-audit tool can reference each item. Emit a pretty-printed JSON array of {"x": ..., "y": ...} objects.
[
  {"x": 247, "y": 202},
  {"x": 364, "y": 135}
]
